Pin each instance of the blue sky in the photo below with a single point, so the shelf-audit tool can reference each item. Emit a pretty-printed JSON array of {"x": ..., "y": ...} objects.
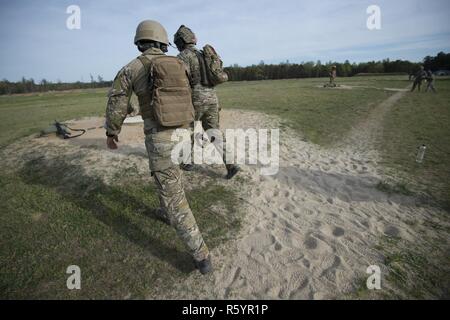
[{"x": 37, "y": 44}]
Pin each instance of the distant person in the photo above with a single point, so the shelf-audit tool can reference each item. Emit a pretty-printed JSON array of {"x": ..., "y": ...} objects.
[
  {"x": 204, "y": 97},
  {"x": 333, "y": 75},
  {"x": 430, "y": 81},
  {"x": 420, "y": 76},
  {"x": 154, "y": 69}
]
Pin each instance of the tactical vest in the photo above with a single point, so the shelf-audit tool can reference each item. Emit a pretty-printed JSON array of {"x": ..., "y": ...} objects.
[
  {"x": 170, "y": 100},
  {"x": 144, "y": 93}
]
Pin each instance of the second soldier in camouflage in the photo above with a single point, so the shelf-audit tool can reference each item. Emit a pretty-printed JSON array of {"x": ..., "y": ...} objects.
[{"x": 204, "y": 96}]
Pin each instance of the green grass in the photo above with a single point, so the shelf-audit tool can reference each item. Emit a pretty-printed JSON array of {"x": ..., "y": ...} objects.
[
  {"x": 23, "y": 115},
  {"x": 323, "y": 115},
  {"x": 420, "y": 118},
  {"x": 415, "y": 271},
  {"x": 56, "y": 215}
]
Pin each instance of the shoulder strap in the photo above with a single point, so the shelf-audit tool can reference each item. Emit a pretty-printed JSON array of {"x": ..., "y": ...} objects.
[
  {"x": 148, "y": 66},
  {"x": 146, "y": 62}
]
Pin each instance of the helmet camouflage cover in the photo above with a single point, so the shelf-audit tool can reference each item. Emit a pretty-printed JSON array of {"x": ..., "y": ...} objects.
[{"x": 185, "y": 34}]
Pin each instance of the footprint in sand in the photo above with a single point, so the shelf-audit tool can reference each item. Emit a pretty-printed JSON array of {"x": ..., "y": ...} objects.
[
  {"x": 310, "y": 243},
  {"x": 306, "y": 263},
  {"x": 289, "y": 207},
  {"x": 392, "y": 231},
  {"x": 338, "y": 232},
  {"x": 329, "y": 265},
  {"x": 296, "y": 284},
  {"x": 278, "y": 246},
  {"x": 329, "y": 230}
]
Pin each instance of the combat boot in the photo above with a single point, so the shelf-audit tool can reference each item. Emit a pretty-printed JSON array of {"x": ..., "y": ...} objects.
[
  {"x": 204, "y": 266},
  {"x": 232, "y": 170},
  {"x": 187, "y": 167}
]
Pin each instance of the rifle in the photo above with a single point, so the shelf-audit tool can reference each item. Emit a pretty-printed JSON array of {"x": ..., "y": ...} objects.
[{"x": 61, "y": 130}]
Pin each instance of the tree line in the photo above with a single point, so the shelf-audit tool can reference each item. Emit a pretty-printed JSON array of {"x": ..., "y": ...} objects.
[
  {"x": 30, "y": 86},
  {"x": 288, "y": 70},
  {"x": 260, "y": 71}
]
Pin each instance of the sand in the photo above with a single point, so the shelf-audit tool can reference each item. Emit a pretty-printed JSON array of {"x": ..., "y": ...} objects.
[{"x": 310, "y": 230}]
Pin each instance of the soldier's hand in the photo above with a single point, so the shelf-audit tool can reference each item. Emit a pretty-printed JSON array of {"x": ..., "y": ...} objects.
[{"x": 111, "y": 142}]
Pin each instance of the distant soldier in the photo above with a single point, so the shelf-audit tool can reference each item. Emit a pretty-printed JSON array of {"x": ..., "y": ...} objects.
[
  {"x": 333, "y": 76},
  {"x": 420, "y": 76},
  {"x": 204, "y": 97},
  {"x": 430, "y": 81},
  {"x": 151, "y": 39}
]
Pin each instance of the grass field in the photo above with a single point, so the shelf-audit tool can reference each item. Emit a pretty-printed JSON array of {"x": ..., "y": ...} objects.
[
  {"x": 48, "y": 223},
  {"x": 323, "y": 116},
  {"x": 142, "y": 251},
  {"x": 25, "y": 115},
  {"x": 415, "y": 120}
]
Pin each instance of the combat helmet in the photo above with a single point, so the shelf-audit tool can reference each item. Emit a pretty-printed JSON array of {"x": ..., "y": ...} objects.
[
  {"x": 151, "y": 30},
  {"x": 185, "y": 34}
]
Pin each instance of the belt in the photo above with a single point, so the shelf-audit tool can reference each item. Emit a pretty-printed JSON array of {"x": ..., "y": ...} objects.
[{"x": 161, "y": 128}]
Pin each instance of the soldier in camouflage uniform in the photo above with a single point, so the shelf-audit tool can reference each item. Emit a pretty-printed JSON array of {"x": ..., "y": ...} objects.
[
  {"x": 430, "y": 81},
  {"x": 420, "y": 76},
  {"x": 333, "y": 76},
  {"x": 151, "y": 39},
  {"x": 204, "y": 97}
]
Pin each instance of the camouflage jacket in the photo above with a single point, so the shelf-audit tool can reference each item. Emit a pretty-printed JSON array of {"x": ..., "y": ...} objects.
[
  {"x": 131, "y": 78},
  {"x": 420, "y": 75},
  {"x": 190, "y": 59},
  {"x": 201, "y": 95}
]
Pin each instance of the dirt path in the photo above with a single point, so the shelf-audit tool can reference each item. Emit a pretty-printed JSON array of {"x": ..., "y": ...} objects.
[{"x": 363, "y": 136}]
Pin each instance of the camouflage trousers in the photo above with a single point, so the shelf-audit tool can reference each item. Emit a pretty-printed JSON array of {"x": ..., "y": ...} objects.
[
  {"x": 418, "y": 84},
  {"x": 169, "y": 185},
  {"x": 332, "y": 80},
  {"x": 430, "y": 86},
  {"x": 207, "y": 111}
]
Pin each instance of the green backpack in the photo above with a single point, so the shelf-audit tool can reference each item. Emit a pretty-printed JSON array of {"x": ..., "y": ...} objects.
[{"x": 214, "y": 66}]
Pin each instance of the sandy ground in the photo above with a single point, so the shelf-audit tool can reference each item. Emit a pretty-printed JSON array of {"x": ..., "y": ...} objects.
[{"x": 308, "y": 231}]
